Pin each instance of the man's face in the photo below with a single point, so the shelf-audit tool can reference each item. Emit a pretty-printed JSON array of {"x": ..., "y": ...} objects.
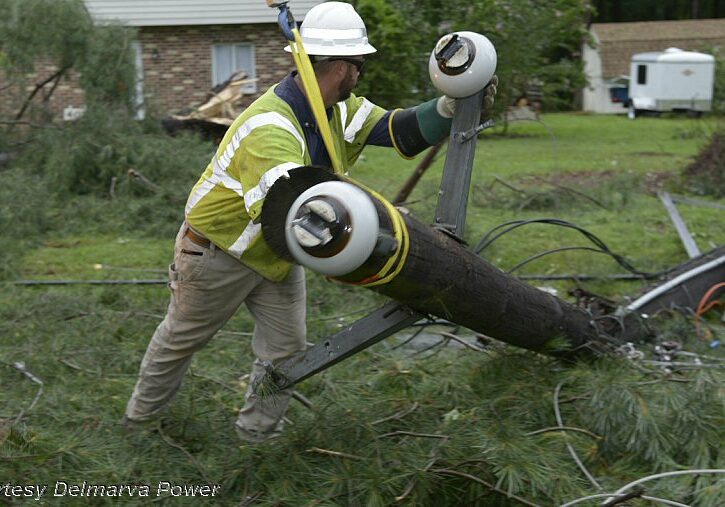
[{"x": 351, "y": 76}]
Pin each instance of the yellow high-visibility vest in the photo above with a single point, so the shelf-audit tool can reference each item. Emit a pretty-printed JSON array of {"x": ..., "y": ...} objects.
[{"x": 262, "y": 144}]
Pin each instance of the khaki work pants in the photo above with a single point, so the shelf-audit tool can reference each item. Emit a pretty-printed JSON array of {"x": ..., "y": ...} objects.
[{"x": 207, "y": 287}]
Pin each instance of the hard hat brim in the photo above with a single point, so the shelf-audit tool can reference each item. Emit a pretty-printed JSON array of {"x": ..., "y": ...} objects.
[{"x": 352, "y": 50}]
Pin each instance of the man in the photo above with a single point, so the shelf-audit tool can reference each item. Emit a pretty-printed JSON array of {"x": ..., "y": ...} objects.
[{"x": 221, "y": 259}]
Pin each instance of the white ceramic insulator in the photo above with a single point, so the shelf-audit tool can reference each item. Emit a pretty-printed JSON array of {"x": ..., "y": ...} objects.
[
  {"x": 475, "y": 77},
  {"x": 363, "y": 229}
]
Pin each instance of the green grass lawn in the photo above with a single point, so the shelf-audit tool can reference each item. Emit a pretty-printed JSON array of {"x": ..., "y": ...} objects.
[{"x": 478, "y": 413}]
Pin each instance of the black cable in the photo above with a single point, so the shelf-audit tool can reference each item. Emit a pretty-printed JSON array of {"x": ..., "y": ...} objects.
[
  {"x": 411, "y": 337},
  {"x": 547, "y": 252},
  {"x": 507, "y": 227}
]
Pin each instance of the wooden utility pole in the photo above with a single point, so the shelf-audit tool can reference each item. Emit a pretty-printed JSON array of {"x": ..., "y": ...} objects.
[{"x": 438, "y": 275}]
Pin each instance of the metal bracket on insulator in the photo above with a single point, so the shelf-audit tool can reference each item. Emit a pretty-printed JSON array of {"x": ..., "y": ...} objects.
[
  {"x": 456, "y": 55},
  {"x": 321, "y": 226},
  {"x": 466, "y": 136},
  {"x": 450, "y": 231}
]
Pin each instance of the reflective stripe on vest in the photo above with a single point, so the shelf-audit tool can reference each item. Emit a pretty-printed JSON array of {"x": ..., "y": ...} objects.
[
  {"x": 219, "y": 170},
  {"x": 217, "y": 177},
  {"x": 259, "y": 192},
  {"x": 343, "y": 114},
  {"x": 358, "y": 121},
  {"x": 250, "y": 233},
  {"x": 259, "y": 120}
]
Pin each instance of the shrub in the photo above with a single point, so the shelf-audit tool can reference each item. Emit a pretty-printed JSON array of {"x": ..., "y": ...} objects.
[
  {"x": 84, "y": 157},
  {"x": 706, "y": 175}
]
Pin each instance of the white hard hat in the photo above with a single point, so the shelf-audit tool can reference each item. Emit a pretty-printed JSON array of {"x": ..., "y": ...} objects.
[
  {"x": 334, "y": 29},
  {"x": 462, "y": 63}
]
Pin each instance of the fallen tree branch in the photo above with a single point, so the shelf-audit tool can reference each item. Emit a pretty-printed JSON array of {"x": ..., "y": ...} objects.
[
  {"x": 74, "y": 366},
  {"x": 20, "y": 366},
  {"x": 507, "y": 185},
  {"x": 193, "y": 460},
  {"x": 302, "y": 399},
  {"x": 460, "y": 340},
  {"x": 433, "y": 455},
  {"x": 397, "y": 415},
  {"x": 89, "y": 282},
  {"x": 338, "y": 454},
  {"x": 564, "y": 428},
  {"x": 37, "y": 88},
  {"x": 136, "y": 176},
  {"x": 635, "y": 493},
  {"x": 456, "y": 473},
  {"x": 572, "y": 452},
  {"x": 412, "y": 434},
  {"x": 422, "y": 167},
  {"x": 567, "y": 189}
]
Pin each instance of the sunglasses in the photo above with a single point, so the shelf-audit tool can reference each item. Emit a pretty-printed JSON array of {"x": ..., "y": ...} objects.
[{"x": 359, "y": 64}]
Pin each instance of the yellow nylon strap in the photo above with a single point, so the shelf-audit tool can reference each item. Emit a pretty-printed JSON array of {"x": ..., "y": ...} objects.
[
  {"x": 395, "y": 263},
  {"x": 312, "y": 90}
]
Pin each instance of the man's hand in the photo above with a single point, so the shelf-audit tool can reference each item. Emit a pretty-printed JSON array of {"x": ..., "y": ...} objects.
[{"x": 446, "y": 106}]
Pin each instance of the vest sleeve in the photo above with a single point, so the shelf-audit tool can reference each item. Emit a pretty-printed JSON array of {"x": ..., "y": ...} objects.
[
  {"x": 265, "y": 155},
  {"x": 360, "y": 119}
]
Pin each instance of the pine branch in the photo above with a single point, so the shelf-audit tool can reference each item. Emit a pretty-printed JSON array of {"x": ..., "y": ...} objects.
[
  {"x": 193, "y": 460},
  {"x": 572, "y": 452},
  {"x": 563, "y": 428},
  {"x": 397, "y": 415},
  {"x": 412, "y": 434},
  {"x": 456, "y": 473},
  {"x": 37, "y": 88},
  {"x": 460, "y": 340},
  {"x": 338, "y": 454},
  {"x": 635, "y": 493}
]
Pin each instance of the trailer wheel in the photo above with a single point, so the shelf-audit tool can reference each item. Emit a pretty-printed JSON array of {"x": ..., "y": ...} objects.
[
  {"x": 691, "y": 113},
  {"x": 632, "y": 113}
]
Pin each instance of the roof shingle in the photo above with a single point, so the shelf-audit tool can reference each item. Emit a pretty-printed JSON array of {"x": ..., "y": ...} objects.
[{"x": 660, "y": 30}]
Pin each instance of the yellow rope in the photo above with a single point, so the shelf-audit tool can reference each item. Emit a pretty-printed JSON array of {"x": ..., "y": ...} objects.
[
  {"x": 401, "y": 236},
  {"x": 312, "y": 89},
  {"x": 394, "y": 265}
]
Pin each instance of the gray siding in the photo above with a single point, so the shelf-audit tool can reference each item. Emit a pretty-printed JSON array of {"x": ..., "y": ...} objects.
[{"x": 192, "y": 12}]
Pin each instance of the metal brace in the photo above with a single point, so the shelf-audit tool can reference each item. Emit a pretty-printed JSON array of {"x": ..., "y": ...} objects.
[{"x": 463, "y": 137}]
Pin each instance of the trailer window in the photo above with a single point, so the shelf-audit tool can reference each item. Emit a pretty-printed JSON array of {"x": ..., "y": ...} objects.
[{"x": 641, "y": 74}]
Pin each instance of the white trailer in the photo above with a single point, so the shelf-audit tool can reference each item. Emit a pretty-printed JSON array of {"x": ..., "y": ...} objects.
[{"x": 671, "y": 80}]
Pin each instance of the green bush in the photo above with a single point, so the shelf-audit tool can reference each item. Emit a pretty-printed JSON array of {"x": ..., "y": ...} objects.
[
  {"x": 706, "y": 175},
  {"x": 85, "y": 156}
]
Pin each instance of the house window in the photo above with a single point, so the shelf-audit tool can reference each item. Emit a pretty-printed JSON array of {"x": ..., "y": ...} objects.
[
  {"x": 641, "y": 74},
  {"x": 230, "y": 58}
]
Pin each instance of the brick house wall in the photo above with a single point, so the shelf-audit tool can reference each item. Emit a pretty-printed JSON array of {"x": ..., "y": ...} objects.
[
  {"x": 177, "y": 60},
  {"x": 177, "y": 68}
]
